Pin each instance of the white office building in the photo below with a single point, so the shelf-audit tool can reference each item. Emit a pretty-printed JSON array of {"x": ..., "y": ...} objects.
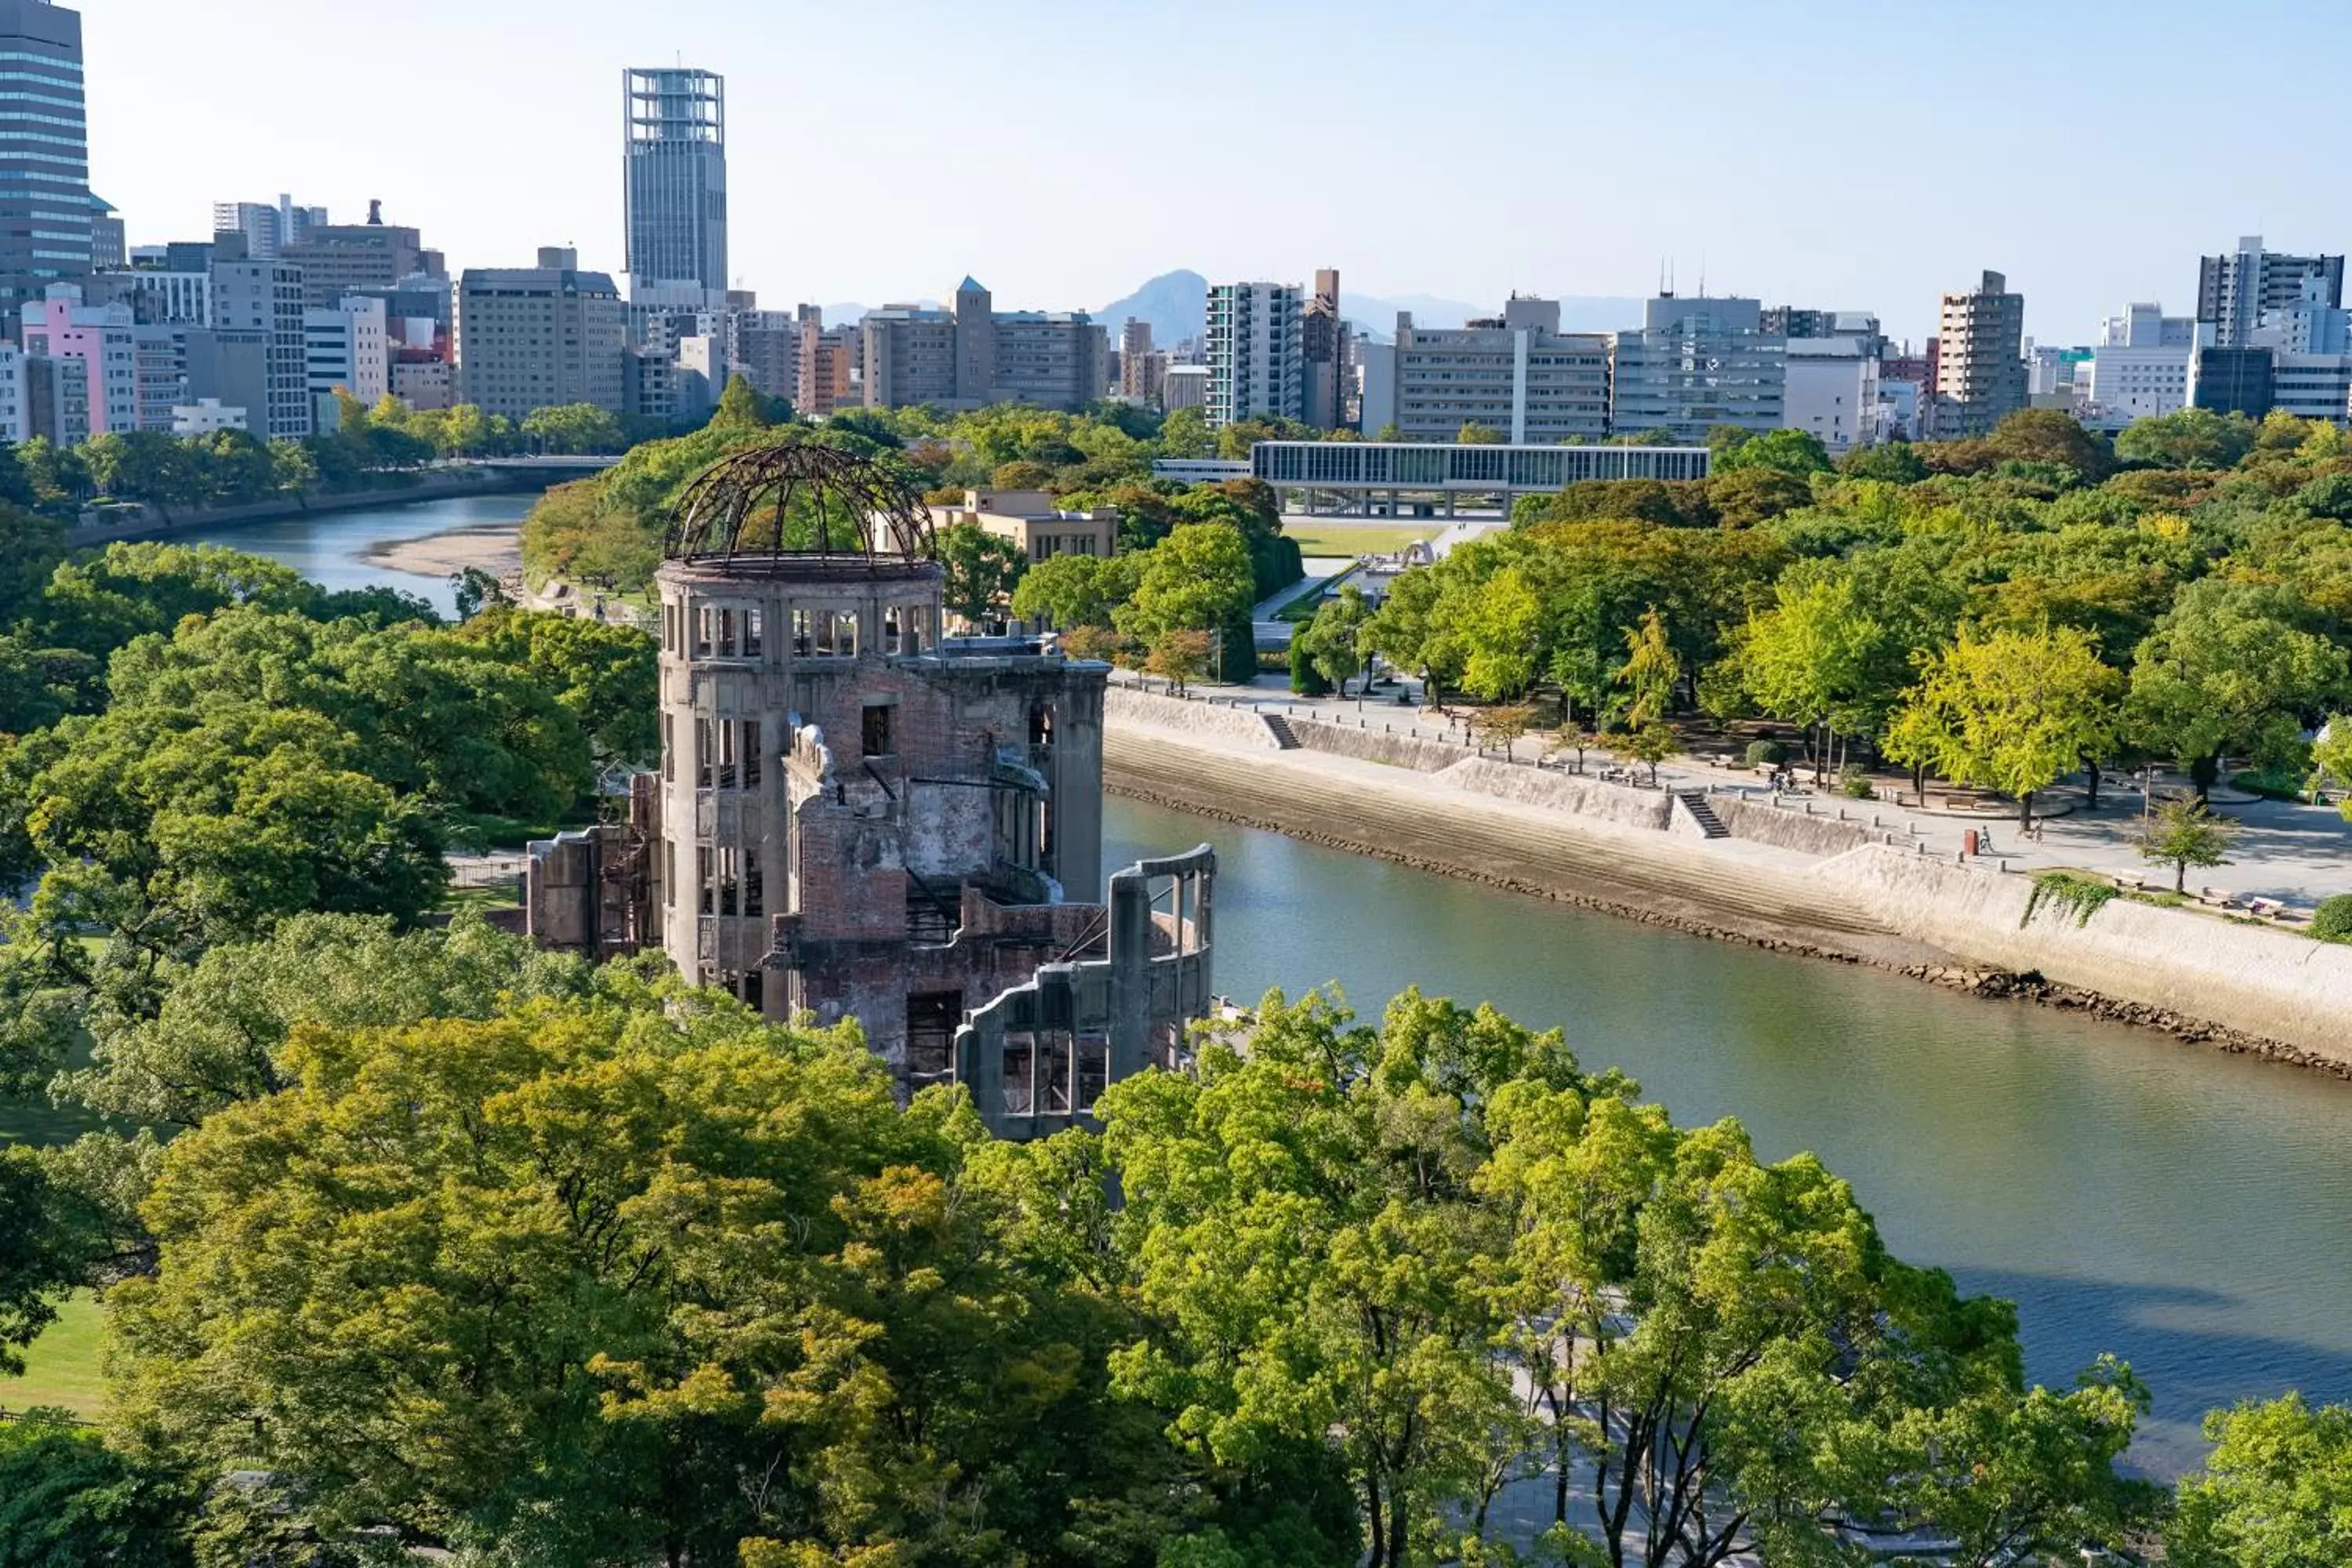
[
  {"x": 348, "y": 347},
  {"x": 1517, "y": 374},
  {"x": 205, "y": 416},
  {"x": 1257, "y": 365},
  {"x": 2140, "y": 367},
  {"x": 1832, "y": 390}
]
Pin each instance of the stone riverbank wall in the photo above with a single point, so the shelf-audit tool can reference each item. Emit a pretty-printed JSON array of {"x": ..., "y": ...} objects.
[{"x": 1783, "y": 880}]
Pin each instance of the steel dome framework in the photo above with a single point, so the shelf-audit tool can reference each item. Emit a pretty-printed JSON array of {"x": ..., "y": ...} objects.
[{"x": 799, "y": 501}]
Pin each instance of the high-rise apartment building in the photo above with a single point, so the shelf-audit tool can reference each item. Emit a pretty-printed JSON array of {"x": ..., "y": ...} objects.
[
  {"x": 1256, "y": 358},
  {"x": 674, "y": 175},
  {"x": 2235, "y": 291},
  {"x": 823, "y": 361},
  {"x": 259, "y": 328},
  {"x": 539, "y": 337},
  {"x": 268, "y": 227},
  {"x": 761, "y": 347},
  {"x": 1979, "y": 359},
  {"x": 1325, "y": 355},
  {"x": 1696, "y": 363},
  {"x": 46, "y": 208},
  {"x": 910, "y": 357},
  {"x": 1517, "y": 374},
  {"x": 1134, "y": 360}
]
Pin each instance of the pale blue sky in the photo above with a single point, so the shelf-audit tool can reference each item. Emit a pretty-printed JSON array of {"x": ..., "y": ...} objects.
[{"x": 1851, "y": 156}]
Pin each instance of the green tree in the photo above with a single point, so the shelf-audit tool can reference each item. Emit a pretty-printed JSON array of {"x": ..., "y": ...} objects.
[
  {"x": 2187, "y": 439},
  {"x": 1179, "y": 656},
  {"x": 571, "y": 428},
  {"x": 2331, "y": 756},
  {"x": 1473, "y": 434},
  {"x": 2183, "y": 834},
  {"x": 2276, "y": 1492},
  {"x": 983, "y": 572},
  {"x": 1333, "y": 639},
  {"x": 2230, "y": 670},
  {"x": 1350, "y": 1155},
  {"x": 1076, "y": 590},
  {"x": 604, "y": 674},
  {"x": 741, "y": 407},
  {"x": 2052, "y": 435},
  {"x": 1891, "y": 462},
  {"x": 1790, "y": 451},
  {"x": 1809, "y": 658},
  {"x": 1651, "y": 672},
  {"x": 637, "y": 1279},
  {"x": 1196, "y": 579},
  {"x": 67, "y": 1501},
  {"x": 2012, "y": 711}
]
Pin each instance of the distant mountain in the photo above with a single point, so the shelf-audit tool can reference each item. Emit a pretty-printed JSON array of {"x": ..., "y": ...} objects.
[{"x": 1175, "y": 303}]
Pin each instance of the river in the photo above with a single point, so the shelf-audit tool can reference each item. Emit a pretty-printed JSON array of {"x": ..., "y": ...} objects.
[
  {"x": 2188, "y": 1210},
  {"x": 330, "y": 548}
]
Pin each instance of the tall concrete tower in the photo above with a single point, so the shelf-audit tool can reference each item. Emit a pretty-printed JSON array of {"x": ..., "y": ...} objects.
[{"x": 674, "y": 170}]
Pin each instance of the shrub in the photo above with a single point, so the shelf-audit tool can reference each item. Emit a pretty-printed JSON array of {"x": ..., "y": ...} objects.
[
  {"x": 1305, "y": 679},
  {"x": 1854, "y": 783},
  {"x": 2331, "y": 922},
  {"x": 1765, "y": 753},
  {"x": 2067, "y": 892}
]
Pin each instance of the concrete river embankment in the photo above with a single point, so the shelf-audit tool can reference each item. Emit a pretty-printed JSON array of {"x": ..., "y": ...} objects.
[{"x": 1787, "y": 881}]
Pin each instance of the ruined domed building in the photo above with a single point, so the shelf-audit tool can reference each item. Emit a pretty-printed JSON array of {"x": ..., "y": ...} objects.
[{"x": 855, "y": 816}]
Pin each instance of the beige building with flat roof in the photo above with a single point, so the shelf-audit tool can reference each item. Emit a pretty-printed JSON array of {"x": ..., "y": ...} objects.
[{"x": 1030, "y": 519}]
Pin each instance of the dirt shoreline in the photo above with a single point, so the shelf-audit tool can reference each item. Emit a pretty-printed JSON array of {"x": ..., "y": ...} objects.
[
  {"x": 495, "y": 549},
  {"x": 1301, "y": 820}
]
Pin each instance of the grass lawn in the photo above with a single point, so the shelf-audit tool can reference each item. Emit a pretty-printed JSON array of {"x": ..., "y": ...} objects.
[
  {"x": 1316, "y": 539},
  {"x": 504, "y": 896},
  {"x": 62, "y": 1367}
]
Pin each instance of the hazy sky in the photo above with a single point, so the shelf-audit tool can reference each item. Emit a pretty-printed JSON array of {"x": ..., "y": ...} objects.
[{"x": 1850, "y": 156}]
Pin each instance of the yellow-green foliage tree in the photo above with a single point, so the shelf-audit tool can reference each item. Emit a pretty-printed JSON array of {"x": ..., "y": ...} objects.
[{"x": 2013, "y": 711}]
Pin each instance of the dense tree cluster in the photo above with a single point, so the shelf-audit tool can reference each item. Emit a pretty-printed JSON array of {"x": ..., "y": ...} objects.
[
  {"x": 607, "y": 530},
  {"x": 2002, "y": 612},
  {"x": 197, "y": 745},
  {"x": 464, "y": 1245}
]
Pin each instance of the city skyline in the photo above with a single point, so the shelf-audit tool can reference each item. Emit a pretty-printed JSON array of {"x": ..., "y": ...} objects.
[{"x": 505, "y": 143}]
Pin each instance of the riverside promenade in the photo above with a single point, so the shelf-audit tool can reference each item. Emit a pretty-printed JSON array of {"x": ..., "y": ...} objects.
[{"x": 1859, "y": 881}]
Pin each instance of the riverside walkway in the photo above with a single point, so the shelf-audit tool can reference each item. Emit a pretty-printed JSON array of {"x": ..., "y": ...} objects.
[{"x": 2287, "y": 852}]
